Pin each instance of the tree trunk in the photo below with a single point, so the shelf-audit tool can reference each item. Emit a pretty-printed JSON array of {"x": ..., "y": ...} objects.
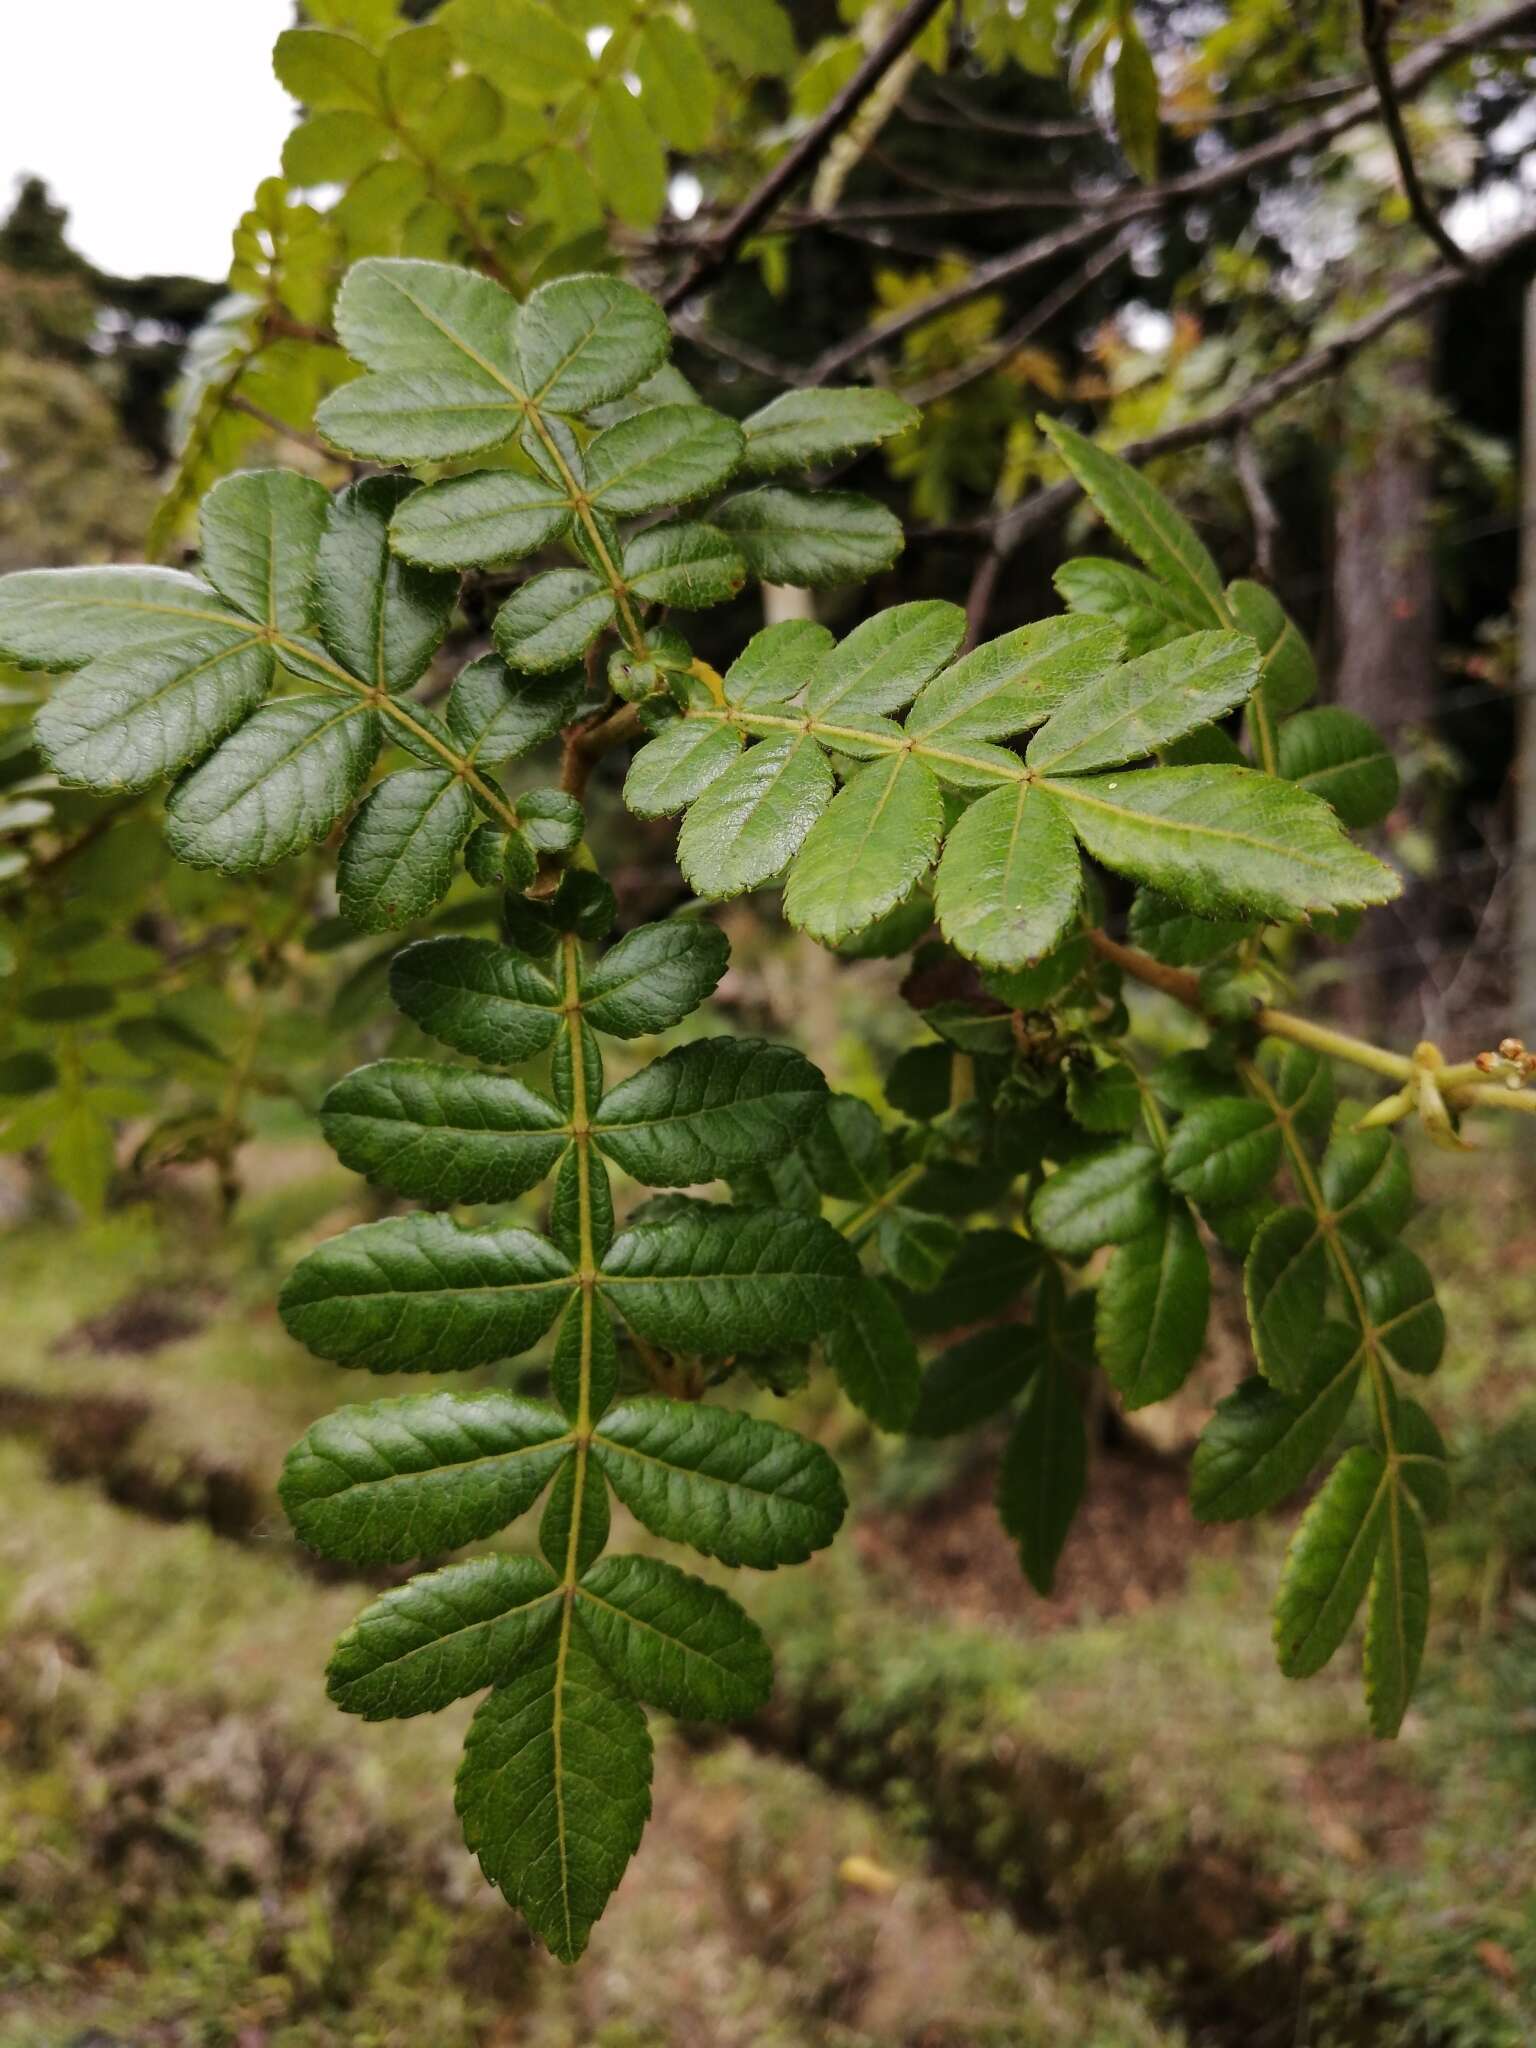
[
  {"x": 1385, "y": 626},
  {"x": 1523, "y": 773}
]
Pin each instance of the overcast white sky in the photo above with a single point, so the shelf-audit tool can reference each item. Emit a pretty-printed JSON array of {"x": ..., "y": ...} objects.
[{"x": 152, "y": 120}]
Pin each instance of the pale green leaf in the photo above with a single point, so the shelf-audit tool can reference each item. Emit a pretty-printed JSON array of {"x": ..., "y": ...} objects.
[
  {"x": 799, "y": 429},
  {"x": 1010, "y": 879},
  {"x": 875, "y": 840},
  {"x": 752, "y": 821},
  {"x": 811, "y": 539}
]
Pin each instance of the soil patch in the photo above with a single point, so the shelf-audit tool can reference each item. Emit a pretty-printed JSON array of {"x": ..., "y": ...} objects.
[{"x": 138, "y": 1324}]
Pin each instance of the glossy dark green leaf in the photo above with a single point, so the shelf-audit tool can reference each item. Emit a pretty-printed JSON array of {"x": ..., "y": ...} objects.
[
  {"x": 1152, "y": 1306},
  {"x": 917, "y": 1247},
  {"x": 487, "y": 519},
  {"x": 552, "y": 619},
  {"x": 674, "y": 1641},
  {"x": 684, "y": 563},
  {"x": 1144, "y": 610},
  {"x": 1106, "y": 1197},
  {"x": 555, "y": 1787},
  {"x": 1261, "y": 1445},
  {"x": 1045, "y": 1469},
  {"x": 846, "y": 1150},
  {"x": 675, "y": 768},
  {"x": 870, "y": 1349},
  {"x": 418, "y": 1294},
  {"x": 63, "y": 618},
  {"x": 1328, "y": 1564},
  {"x": 737, "y": 1488},
  {"x": 442, "y": 1134},
  {"x": 720, "y": 1280},
  {"x": 1397, "y": 1618},
  {"x": 442, "y": 1636},
  {"x": 975, "y": 1379},
  {"x": 496, "y": 716},
  {"x": 398, "y": 859},
  {"x": 1285, "y": 1283},
  {"x": 260, "y": 532},
  {"x": 389, "y": 1480},
  {"x": 1366, "y": 1183},
  {"x": 1223, "y": 1151},
  {"x": 583, "y": 340},
  {"x": 653, "y": 977},
  {"x": 1342, "y": 759},
  {"x": 478, "y": 997},
  {"x": 708, "y": 1109},
  {"x": 1400, "y": 1305}
]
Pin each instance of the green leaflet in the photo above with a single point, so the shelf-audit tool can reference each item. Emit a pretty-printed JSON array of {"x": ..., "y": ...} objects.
[
  {"x": 916, "y": 1247},
  {"x": 1366, "y": 1183},
  {"x": 883, "y": 663},
  {"x": 717, "y": 1280},
  {"x": 1152, "y": 1306},
  {"x": 555, "y": 1787},
  {"x": 1164, "y": 928},
  {"x": 63, "y": 618},
  {"x": 798, "y": 429},
  {"x": 662, "y": 457},
  {"x": 705, "y": 1110},
  {"x": 1400, "y": 1306},
  {"x": 442, "y": 1134},
  {"x": 583, "y": 340},
  {"x": 1285, "y": 1283},
  {"x": 974, "y": 1379},
  {"x": 1328, "y": 1564},
  {"x": 1287, "y": 672},
  {"x": 754, "y": 818},
  {"x": 552, "y": 619},
  {"x": 1145, "y": 611},
  {"x": 846, "y": 1151},
  {"x": 1260, "y": 1445},
  {"x": 126, "y": 721},
  {"x": 398, "y": 859},
  {"x": 1132, "y": 710},
  {"x": 417, "y": 1294},
  {"x": 479, "y": 998},
  {"x": 776, "y": 663},
  {"x": 735, "y": 1488},
  {"x": 814, "y": 541},
  {"x": 870, "y": 1349},
  {"x": 674, "y": 1641},
  {"x": 1223, "y": 1151},
  {"x": 1224, "y": 839},
  {"x": 1342, "y": 759},
  {"x": 1397, "y": 1619},
  {"x": 876, "y": 839},
  {"x": 1009, "y": 685},
  {"x": 1106, "y": 1197},
  {"x": 1143, "y": 518},
  {"x": 380, "y": 616},
  {"x": 683, "y": 564},
  {"x": 1010, "y": 879},
  {"x": 261, "y": 530},
  {"x": 442, "y": 1636},
  {"x": 496, "y": 716},
  {"x": 389, "y": 1480},
  {"x": 653, "y": 977},
  {"x": 278, "y": 782},
  {"x": 1045, "y": 1467},
  {"x": 492, "y": 517},
  {"x": 678, "y": 765}
]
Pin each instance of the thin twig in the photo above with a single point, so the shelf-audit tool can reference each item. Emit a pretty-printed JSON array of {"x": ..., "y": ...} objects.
[
  {"x": 803, "y": 158},
  {"x": 1261, "y": 506},
  {"x": 238, "y": 402},
  {"x": 1374, "y": 19},
  {"x": 1409, "y": 78},
  {"x": 1038, "y": 317}
]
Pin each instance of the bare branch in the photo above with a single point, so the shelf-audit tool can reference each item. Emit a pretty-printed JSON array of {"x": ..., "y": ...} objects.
[
  {"x": 1039, "y": 316},
  {"x": 1374, "y": 17},
  {"x": 1410, "y": 77},
  {"x": 803, "y": 158},
  {"x": 1042, "y": 507},
  {"x": 1261, "y": 506}
]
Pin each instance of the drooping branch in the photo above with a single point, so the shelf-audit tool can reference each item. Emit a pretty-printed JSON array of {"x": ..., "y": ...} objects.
[
  {"x": 800, "y": 161},
  {"x": 1374, "y": 21}
]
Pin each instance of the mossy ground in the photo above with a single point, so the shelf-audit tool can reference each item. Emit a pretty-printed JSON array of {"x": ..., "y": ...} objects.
[{"x": 967, "y": 1818}]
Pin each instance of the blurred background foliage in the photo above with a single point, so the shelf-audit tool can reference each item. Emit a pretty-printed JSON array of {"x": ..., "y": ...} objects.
[{"x": 970, "y": 1816}]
